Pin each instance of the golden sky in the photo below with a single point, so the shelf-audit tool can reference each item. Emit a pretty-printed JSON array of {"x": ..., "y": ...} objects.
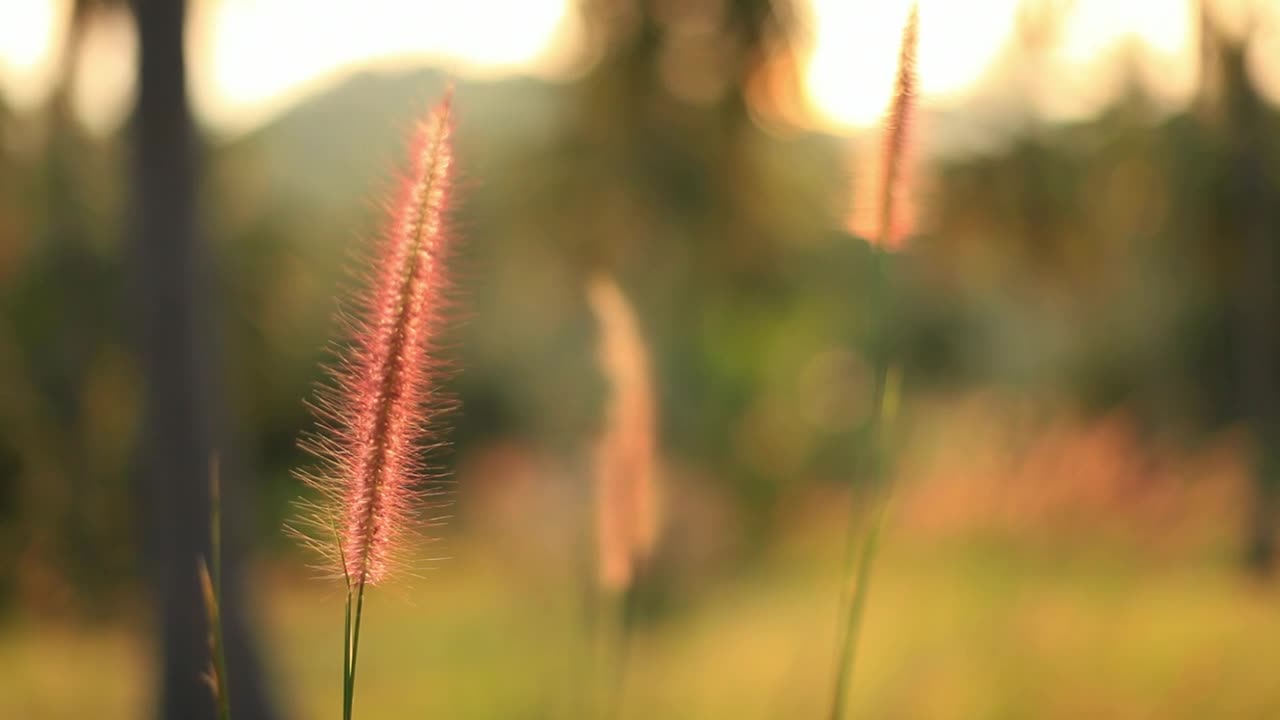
[
  {"x": 961, "y": 43},
  {"x": 252, "y": 57}
]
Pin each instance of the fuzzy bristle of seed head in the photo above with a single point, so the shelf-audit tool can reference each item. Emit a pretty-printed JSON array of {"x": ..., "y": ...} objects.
[
  {"x": 381, "y": 407},
  {"x": 897, "y": 131}
]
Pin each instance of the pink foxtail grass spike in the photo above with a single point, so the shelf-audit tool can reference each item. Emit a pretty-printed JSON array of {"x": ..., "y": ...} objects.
[
  {"x": 897, "y": 138},
  {"x": 886, "y": 217},
  {"x": 884, "y": 400},
  {"x": 382, "y": 408}
]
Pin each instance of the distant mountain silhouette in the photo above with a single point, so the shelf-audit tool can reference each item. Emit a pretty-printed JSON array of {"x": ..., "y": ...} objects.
[{"x": 341, "y": 146}]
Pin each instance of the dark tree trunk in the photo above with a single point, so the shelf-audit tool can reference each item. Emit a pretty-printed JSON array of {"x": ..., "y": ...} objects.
[
  {"x": 1258, "y": 318},
  {"x": 1235, "y": 110},
  {"x": 177, "y": 359}
]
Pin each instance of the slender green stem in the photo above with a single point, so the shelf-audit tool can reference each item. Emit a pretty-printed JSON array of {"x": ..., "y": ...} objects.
[
  {"x": 584, "y": 696},
  {"x": 858, "y": 565},
  {"x": 355, "y": 646},
  {"x": 614, "y": 621},
  {"x": 603, "y": 640},
  {"x": 215, "y": 542},
  {"x": 348, "y": 669},
  {"x": 622, "y": 607},
  {"x": 856, "y": 606},
  {"x": 346, "y": 660}
]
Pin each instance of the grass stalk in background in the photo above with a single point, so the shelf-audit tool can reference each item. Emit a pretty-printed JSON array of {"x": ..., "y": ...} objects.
[
  {"x": 860, "y": 561},
  {"x": 211, "y": 590},
  {"x": 383, "y": 407},
  {"x": 626, "y": 498}
]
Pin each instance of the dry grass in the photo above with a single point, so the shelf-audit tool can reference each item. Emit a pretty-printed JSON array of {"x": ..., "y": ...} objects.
[
  {"x": 955, "y": 630},
  {"x": 978, "y": 465},
  {"x": 1020, "y": 578}
]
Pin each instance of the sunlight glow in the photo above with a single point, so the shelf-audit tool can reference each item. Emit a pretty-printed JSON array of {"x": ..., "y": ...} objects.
[
  {"x": 855, "y": 51},
  {"x": 250, "y": 55},
  {"x": 852, "y": 63},
  {"x": 29, "y": 32},
  {"x": 251, "y": 58},
  {"x": 104, "y": 76},
  {"x": 1158, "y": 34}
]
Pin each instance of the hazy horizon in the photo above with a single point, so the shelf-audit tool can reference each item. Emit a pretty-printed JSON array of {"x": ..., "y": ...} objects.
[{"x": 987, "y": 52}]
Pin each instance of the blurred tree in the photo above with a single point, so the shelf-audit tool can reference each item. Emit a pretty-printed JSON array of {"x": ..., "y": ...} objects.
[
  {"x": 678, "y": 189},
  {"x": 1247, "y": 224},
  {"x": 668, "y": 96},
  {"x": 1129, "y": 259},
  {"x": 178, "y": 361},
  {"x": 71, "y": 503}
]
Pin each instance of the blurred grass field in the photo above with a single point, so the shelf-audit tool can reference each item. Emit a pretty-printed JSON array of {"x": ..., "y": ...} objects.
[{"x": 958, "y": 629}]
